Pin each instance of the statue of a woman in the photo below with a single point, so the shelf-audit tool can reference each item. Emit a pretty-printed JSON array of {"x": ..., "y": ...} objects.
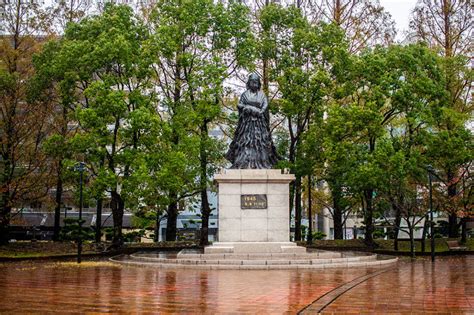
[{"x": 252, "y": 146}]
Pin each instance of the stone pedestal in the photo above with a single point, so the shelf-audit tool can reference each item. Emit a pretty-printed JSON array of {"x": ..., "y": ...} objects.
[{"x": 253, "y": 212}]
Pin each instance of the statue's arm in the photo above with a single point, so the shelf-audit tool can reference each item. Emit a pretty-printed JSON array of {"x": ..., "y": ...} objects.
[{"x": 241, "y": 105}]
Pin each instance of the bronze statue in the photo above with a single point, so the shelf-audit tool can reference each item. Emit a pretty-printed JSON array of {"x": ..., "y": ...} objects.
[{"x": 252, "y": 146}]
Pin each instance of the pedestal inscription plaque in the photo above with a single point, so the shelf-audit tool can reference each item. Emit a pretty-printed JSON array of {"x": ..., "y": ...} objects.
[{"x": 253, "y": 201}]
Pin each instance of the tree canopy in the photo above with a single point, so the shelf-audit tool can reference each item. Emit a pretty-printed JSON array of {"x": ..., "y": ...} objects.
[{"x": 135, "y": 93}]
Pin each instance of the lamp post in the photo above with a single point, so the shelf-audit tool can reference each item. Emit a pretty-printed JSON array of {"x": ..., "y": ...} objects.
[
  {"x": 80, "y": 167},
  {"x": 430, "y": 173}
]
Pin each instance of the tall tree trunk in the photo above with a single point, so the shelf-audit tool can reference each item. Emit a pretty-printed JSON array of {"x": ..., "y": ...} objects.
[
  {"x": 172, "y": 212},
  {"x": 172, "y": 209},
  {"x": 310, "y": 213},
  {"x": 464, "y": 230},
  {"x": 292, "y": 200},
  {"x": 398, "y": 221},
  {"x": 448, "y": 46},
  {"x": 337, "y": 13},
  {"x": 265, "y": 78},
  {"x": 58, "y": 201},
  {"x": 100, "y": 200},
  {"x": 117, "y": 205},
  {"x": 98, "y": 221},
  {"x": 338, "y": 226},
  {"x": 291, "y": 158},
  {"x": 5, "y": 202},
  {"x": 412, "y": 240},
  {"x": 298, "y": 209},
  {"x": 156, "y": 237},
  {"x": 265, "y": 70},
  {"x": 337, "y": 212},
  {"x": 368, "y": 217},
  {"x": 369, "y": 211},
  {"x": 6, "y": 178},
  {"x": 205, "y": 213},
  {"x": 5, "y": 215},
  {"x": 205, "y": 208},
  {"x": 453, "y": 227},
  {"x": 423, "y": 236},
  {"x": 59, "y": 179}
]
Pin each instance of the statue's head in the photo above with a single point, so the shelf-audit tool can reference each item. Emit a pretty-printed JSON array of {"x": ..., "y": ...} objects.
[{"x": 253, "y": 83}]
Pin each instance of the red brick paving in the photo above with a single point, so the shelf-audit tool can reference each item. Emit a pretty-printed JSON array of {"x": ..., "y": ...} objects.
[
  {"x": 447, "y": 287},
  {"x": 118, "y": 289},
  {"x": 47, "y": 288}
]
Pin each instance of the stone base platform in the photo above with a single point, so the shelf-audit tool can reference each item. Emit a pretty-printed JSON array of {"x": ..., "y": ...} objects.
[
  {"x": 255, "y": 261},
  {"x": 254, "y": 206},
  {"x": 254, "y": 247}
]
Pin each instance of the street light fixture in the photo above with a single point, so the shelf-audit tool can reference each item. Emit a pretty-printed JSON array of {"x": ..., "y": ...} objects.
[{"x": 80, "y": 167}]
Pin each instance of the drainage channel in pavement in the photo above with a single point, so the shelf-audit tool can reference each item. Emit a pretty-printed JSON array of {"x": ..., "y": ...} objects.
[{"x": 325, "y": 300}]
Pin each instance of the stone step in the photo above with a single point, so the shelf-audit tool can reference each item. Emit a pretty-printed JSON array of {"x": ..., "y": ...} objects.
[
  {"x": 259, "y": 256},
  {"x": 256, "y": 264},
  {"x": 244, "y": 257},
  {"x": 255, "y": 261},
  {"x": 254, "y": 247},
  {"x": 318, "y": 254}
]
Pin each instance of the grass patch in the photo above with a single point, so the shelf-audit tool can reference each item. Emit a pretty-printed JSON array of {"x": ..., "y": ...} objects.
[
  {"x": 83, "y": 264},
  {"x": 336, "y": 243},
  {"x": 403, "y": 246},
  {"x": 42, "y": 249},
  {"x": 164, "y": 244},
  {"x": 52, "y": 249}
]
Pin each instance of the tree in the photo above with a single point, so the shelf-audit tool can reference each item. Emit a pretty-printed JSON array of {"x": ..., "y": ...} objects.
[
  {"x": 357, "y": 122},
  {"x": 444, "y": 24},
  {"x": 67, "y": 11},
  {"x": 447, "y": 25},
  {"x": 104, "y": 70},
  {"x": 306, "y": 73},
  {"x": 47, "y": 78},
  {"x": 199, "y": 45},
  {"x": 364, "y": 22},
  {"x": 384, "y": 131},
  {"x": 419, "y": 89},
  {"x": 283, "y": 29},
  {"x": 23, "y": 121}
]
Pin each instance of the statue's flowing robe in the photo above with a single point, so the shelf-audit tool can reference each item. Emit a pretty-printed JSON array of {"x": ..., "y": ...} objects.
[{"x": 252, "y": 146}]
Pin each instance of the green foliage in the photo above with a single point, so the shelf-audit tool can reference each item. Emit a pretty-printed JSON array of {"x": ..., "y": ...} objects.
[
  {"x": 144, "y": 219},
  {"x": 144, "y": 95},
  {"x": 318, "y": 235},
  {"x": 134, "y": 236},
  {"x": 72, "y": 231},
  {"x": 378, "y": 234}
]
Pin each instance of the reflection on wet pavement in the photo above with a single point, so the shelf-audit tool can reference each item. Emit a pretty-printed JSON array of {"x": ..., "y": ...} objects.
[
  {"x": 48, "y": 287},
  {"x": 447, "y": 286}
]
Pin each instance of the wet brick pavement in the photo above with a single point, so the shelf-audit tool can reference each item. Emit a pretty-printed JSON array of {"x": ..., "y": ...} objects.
[{"x": 447, "y": 287}]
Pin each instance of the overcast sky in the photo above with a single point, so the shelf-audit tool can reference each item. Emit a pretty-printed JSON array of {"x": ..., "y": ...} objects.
[{"x": 400, "y": 11}]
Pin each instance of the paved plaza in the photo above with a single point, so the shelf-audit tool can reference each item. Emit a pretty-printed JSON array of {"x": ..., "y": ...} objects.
[{"x": 446, "y": 287}]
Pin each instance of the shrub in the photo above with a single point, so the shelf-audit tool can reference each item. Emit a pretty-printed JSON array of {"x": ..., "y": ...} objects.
[
  {"x": 318, "y": 235},
  {"x": 71, "y": 230}
]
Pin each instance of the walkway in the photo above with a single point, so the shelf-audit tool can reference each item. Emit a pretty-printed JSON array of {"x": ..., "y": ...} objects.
[{"x": 445, "y": 287}]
